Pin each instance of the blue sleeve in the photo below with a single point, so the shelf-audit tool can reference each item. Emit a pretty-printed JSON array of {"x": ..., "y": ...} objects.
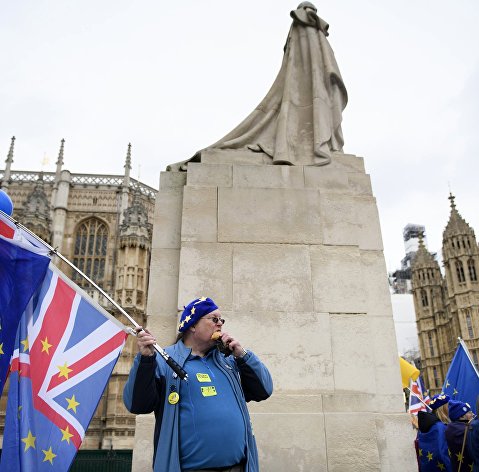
[
  {"x": 443, "y": 449},
  {"x": 473, "y": 441},
  {"x": 144, "y": 390},
  {"x": 256, "y": 380}
]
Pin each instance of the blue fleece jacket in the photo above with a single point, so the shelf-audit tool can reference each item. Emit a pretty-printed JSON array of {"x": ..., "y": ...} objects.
[{"x": 151, "y": 381}]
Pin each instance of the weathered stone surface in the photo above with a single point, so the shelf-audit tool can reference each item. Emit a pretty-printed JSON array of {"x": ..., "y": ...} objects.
[
  {"x": 272, "y": 215},
  {"x": 337, "y": 279},
  {"x": 272, "y": 277},
  {"x": 351, "y": 337},
  {"x": 143, "y": 449},
  {"x": 234, "y": 156},
  {"x": 268, "y": 176},
  {"x": 167, "y": 219},
  {"x": 209, "y": 175},
  {"x": 347, "y": 162},
  {"x": 301, "y": 340},
  {"x": 200, "y": 210},
  {"x": 206, "y": 269},
  {"x": 351, "y": 442},
  {"x": 172, "y": 180},
  {"x": 298, "y": 442},
  {"x": 340, "y": 402}
]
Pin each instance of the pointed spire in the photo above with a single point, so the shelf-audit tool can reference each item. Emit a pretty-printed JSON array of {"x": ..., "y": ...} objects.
[
  {"x": 423, "y": 257},
  {"x": 127, "y": 165},
  {"x": 456, "y": 225},
  {"x": 8, "y": 167},
  {"x": 59, "y": 162}
]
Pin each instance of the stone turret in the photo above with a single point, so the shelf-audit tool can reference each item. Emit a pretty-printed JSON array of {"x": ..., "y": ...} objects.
[
  {"x": 4, "y": 183},
  {"x": 37, "y": 210},
  {"x": 125, "y": 188},
  {"x": 431, "y": 316},
  {"x": 134, "y": 254}
]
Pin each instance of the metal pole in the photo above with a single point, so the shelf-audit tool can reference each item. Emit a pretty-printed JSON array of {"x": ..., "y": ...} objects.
[{"x": 174, "y": 365}]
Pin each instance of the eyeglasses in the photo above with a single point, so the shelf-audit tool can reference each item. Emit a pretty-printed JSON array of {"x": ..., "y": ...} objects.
[{"x": 216, "y": 320}]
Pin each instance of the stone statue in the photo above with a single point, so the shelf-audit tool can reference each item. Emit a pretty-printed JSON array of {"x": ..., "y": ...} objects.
[{"x": 299, "y": 120}]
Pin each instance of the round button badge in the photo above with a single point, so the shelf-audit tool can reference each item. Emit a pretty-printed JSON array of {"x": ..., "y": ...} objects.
[{"x": 173, "y": 398}]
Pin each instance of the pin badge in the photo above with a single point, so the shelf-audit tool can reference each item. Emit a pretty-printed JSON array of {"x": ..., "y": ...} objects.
[{"x": 173, "y": 398}]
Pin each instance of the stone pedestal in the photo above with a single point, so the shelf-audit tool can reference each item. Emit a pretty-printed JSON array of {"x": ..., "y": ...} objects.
[{"x": 294, "y": 258}]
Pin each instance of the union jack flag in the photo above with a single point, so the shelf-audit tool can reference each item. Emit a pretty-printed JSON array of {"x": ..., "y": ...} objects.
[
  {"x": 66, "y": 349},
  {"x": 417, "y": 389}
]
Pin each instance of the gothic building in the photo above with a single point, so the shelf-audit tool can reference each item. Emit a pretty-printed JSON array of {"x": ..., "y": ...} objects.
[
  {"x": 447, "y": 306},
  {"x": 102, "y": 224}
]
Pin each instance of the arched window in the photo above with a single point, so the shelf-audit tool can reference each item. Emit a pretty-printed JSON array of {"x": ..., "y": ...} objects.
[
  {"x": 470, "y": 331},
  {"x": 437, "y": 380},
  {"x": 472, "y": 270},
  {"x": 431, "y": 346},
  {"x": 460, "y": 272},
  {"x": 89, "y": 256},
  {"x": 424, "y": 299}
]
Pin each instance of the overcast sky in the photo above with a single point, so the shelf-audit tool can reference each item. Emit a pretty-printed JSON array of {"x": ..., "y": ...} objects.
[{"x": 174, "y": 77}]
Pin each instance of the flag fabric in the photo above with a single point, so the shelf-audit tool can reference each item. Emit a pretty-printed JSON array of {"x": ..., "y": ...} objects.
[
  {"x": 21, "y": 273},
  {"x": 66, "y": 349},
  {"x": 408, "y": 372},
  {"x": 417, "y": 389},
  {"x": 462, "y": 379}
]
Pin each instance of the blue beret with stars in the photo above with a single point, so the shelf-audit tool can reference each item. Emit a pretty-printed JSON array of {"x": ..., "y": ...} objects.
[
  {"x": 195, "y": 310},
  {"x": 439, "y": 400}
]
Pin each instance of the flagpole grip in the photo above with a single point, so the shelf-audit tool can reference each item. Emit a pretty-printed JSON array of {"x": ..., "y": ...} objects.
[{"x": 179, "y": 371}]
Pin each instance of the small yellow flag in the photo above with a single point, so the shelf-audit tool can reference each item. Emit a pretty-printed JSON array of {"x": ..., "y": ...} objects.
[{"x": 408, "y": 371}]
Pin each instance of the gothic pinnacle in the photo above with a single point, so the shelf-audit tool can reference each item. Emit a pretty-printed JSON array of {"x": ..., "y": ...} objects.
[
  {"x": 128, "y": 157},
  {"x": 60, "y": 154},
  {"x": 9, "y": 159}
]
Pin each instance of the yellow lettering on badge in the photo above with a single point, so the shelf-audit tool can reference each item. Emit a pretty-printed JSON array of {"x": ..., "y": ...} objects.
[
  {"x": 203, "y": 378},
  {"x": 208, "y": 391}
]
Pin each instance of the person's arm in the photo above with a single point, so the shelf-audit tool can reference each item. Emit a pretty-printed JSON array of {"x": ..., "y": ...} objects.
[
  {"x": 144, "y": 389},
  {"x": 256, "y": 380}
]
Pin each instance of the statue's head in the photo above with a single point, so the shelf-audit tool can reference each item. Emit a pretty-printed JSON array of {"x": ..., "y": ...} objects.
[{"x": 307, "y": 5}]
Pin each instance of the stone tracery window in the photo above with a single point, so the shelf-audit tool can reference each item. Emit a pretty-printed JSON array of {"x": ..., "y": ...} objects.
[
  {"x": 472, "y": 270},
  {"x": 470, "y": 330},
  {"x": 460, "y": 272},
  {"x": 91, "y": 240},
  {"x": 424, "y": 299}
]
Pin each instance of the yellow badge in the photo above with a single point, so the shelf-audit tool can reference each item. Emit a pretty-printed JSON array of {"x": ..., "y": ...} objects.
[
  {"x": 203, "y": 378},
  {"x": 208, "y": 391},
  {"x": 173, "y": 398}
]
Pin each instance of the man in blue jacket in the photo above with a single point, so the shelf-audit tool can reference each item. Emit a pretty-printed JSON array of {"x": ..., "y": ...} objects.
[{"x": 202, "y": 424}]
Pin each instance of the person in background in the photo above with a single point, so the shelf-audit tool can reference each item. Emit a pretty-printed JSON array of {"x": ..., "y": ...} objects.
[
  {"x": 202, "y": 424},
  {"x": 456, "y": 435},
  {"x": 432, "y": 447},
  {"x": 473, "y": 439}
]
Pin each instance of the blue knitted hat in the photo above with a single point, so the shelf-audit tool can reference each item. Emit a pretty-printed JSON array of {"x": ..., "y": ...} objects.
[
  {"x": 457, "y": 409},
  {"x": 195, "y": 310},
  {"x": 439, "y": 400}
]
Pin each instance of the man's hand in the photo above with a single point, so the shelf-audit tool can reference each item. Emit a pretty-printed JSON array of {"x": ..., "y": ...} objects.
[
  {"x": 233, "y": 344},
  {"x": 145, "y": 341}
]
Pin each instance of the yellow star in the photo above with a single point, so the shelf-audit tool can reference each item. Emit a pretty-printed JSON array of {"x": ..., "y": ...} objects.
[
  {"x": 64, "y": 370},
  {"x": 193, "y": 309},
  {"x": 471, "y": 467},
  {"x": 449, "y": 452},
  {"x": 182, "y": 324},
  {"x": 29, "y": 441},
  {"x": 447, "y": 383},
  {"x": 455, "y": 392},
  {"x": 19, "y": 408},
  {"x": 46, "y": 346},
  {"x": 25, "y": 344},
  {"x": 188, "y": 318},
  {"x": 420, "y": 452},
  {"x": 49, "y": 456},
  {"x": 66, "y": 435},
  {"x": 201, "y": 299},
  {"x": 459, "y": 457},
  {"x": 440, "y": 466},
  {"x": 1, "y": 349},
  {"x": 72, "y": 403},
  {"x": 429, "y": 456}
]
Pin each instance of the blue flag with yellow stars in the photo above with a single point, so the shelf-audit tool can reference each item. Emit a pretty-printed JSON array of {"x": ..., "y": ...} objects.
[
  {"x": 21, "y": 273},
  {"x": 462, "y": 379},
  {"x": 65, "y": 350}
]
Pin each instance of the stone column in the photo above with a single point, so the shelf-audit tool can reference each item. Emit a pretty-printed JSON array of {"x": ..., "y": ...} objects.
[
  {"x": 60, "y": 210},
  {"x": 293, "y": 256}
]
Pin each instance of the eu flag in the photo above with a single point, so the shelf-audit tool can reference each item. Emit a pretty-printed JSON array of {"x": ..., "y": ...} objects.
[
  {"x": 21, "y": 272},
  {"x": 66, "y": 348},
  {"x": 462, "y": 379}
]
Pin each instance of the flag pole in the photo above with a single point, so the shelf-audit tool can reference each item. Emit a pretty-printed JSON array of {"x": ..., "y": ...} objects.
[
  {"x": 463, "y": 344},
  {"x": 419, "y": 398},
  {"x": 53, "y": 251}
]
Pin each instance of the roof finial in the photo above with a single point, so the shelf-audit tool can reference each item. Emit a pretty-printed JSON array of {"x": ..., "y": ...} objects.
[
  {"x": 9, "y": 159},
  {"x": 60, "y": 154},
  {"x": 452, "y": 198},
  {"x": 128, "y": 158}
]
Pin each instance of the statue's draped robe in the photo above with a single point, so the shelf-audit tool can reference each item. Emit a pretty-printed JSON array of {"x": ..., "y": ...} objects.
[{"x": 299, "y": 120}]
